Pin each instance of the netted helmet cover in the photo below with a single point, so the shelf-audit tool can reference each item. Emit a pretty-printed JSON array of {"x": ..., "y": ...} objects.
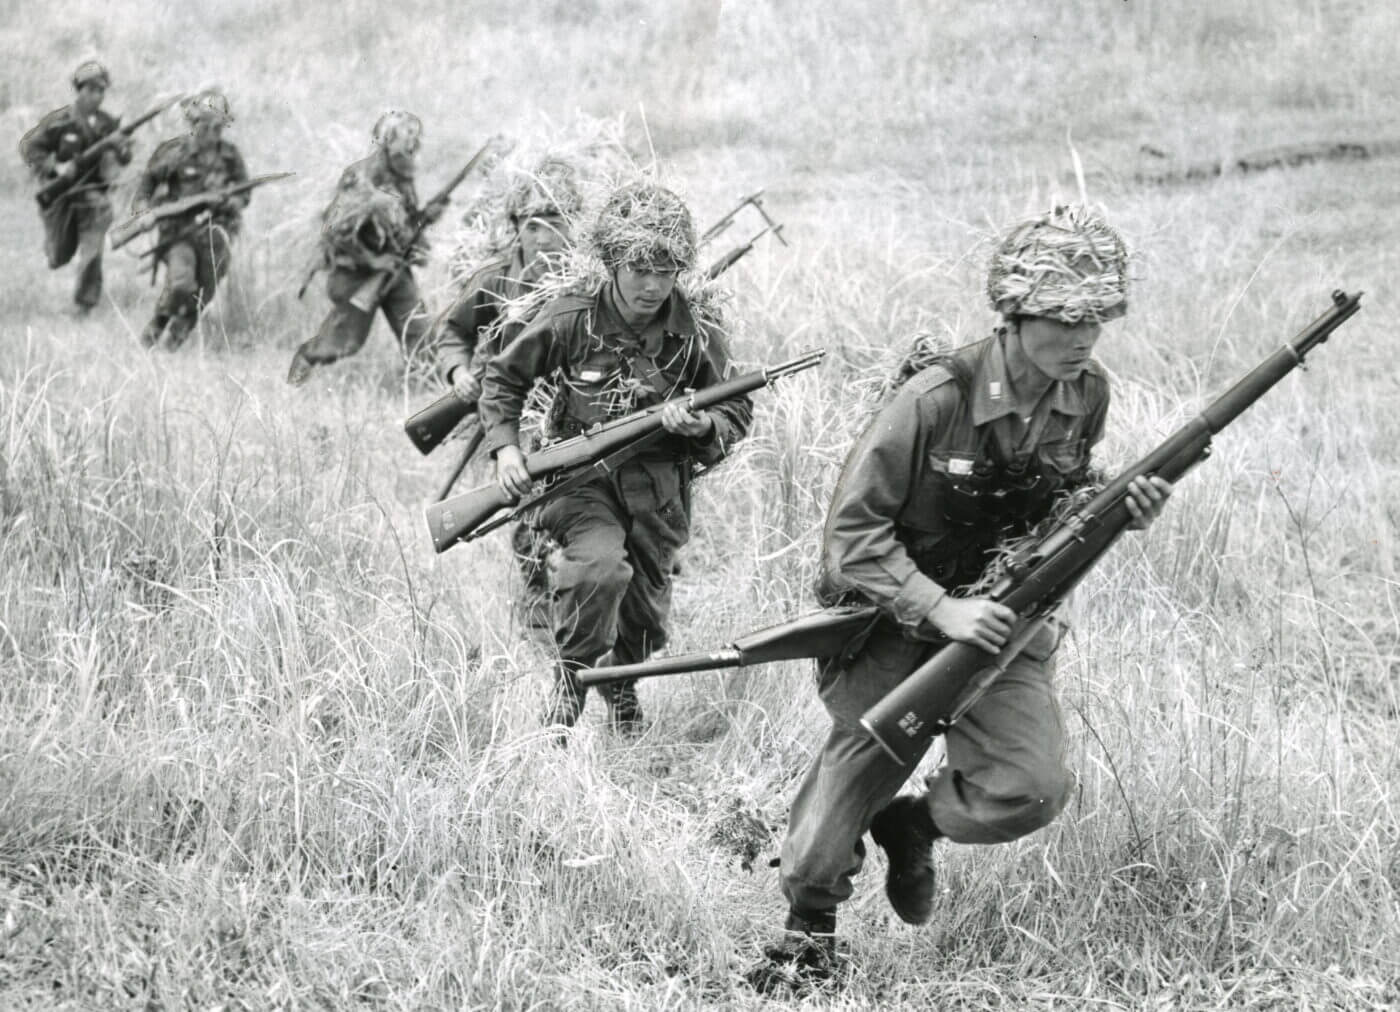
[
  {"x": 397, "y": 131},
  {"x": 645, "y": 226},
  {"x": 207, "y": 106},
  {"x": 550, "y": 188},
  {"x": 1068, "y": 265},
  {"x": 91, "y": 71}
]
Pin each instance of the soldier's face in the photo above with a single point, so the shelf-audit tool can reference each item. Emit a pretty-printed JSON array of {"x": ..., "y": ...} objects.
[
  {"x": 402, "y": 155},
  {"x": 544, "y": 233},
  {"x": 643, "y": 291},
  {"x": 90, "y": 97},
  {"x": 208, "y": 132},
  {"x": 1059, "y": 350}
]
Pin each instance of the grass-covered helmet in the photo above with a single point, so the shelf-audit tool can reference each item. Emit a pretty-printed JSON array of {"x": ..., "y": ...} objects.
[
  {"x": 1068, "y": 265},
  {"x": 646, "y": 226}
]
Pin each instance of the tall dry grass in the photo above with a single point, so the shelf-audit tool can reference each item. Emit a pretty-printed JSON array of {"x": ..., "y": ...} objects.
[{"x": 261, "y": 748}]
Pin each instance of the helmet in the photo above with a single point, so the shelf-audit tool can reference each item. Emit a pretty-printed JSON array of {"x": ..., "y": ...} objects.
[
  {"x": 550, "y": 188},
  {"x": 644, "y": 225},
  {"x": 209, "y": 105},
  {"x": 397, "y": 130},
  {"x": 91, "y": 71},
  {"x": 1068, "y": 265}
]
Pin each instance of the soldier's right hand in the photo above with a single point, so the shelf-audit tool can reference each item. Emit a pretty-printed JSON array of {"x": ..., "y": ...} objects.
[
  {"x": 465, "y": 384},
  {"x": 67, "y": 169},
  {"x": 976, "y": 620},
  {"x": 511, "y": 474}
]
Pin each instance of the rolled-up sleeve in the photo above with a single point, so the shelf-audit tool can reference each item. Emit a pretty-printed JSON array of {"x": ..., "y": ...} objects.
[
  {"x": 861, "y": 551},
  {"x": 732, "y": 417}
]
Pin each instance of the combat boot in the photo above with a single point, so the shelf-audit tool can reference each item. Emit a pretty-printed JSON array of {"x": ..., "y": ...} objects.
[
  {"x": 625, "y": 709},
  {"x": 300, "y": 370},
  {"x": 151, "y": 333},
  {"x": 566, "y": 697},
  {"x": 804, "y": 958},
  {"x": 180, "y": 326},
  {"x": 906, "y": 831}
]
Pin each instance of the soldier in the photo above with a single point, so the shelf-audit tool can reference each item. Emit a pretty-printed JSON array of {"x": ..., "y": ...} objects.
[
  {"x": 367, "y": 232},
  {"x": 77, "y": 222},
  {"x": 540, "y": 208},
  {"x": 196, "y": 247},
  {"x": 630, "y": 341},
  {"x": 967, "y": 454}
]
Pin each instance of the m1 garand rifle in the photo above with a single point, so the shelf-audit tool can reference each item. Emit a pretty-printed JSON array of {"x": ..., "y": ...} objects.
[
  {"x": 598, "y": 451},
  {"x": 366, "y": 297},
  {"x": 206, "y": 200},
  {"x": 429, "y": 427},
  {"x": 1033, "y": 582},
  {"x": 90, "y": 158}
]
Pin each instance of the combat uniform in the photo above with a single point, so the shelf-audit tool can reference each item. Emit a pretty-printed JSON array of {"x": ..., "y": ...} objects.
[
  {"x": 347, "y": 254},
  {"x": 197, "y": 246},
  {"x": 618, "y": 535},
  {"x": 952, "y": 465},
  {"x": 76, "y": 223},
  {"x": 467, "y": 340}
]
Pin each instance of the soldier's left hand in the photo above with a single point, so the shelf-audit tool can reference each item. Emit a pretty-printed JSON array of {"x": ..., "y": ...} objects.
[
  {"x": 676, "y": 418},
  {"x": 1145, "y": 499}
]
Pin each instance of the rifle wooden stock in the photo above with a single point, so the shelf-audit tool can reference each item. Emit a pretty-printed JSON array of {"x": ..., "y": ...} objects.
[
  {"x": 458, "y": 518},
  {"x": 823, "y": 633},
  {"x": 935, "y": 695},
  {"x": 430, "y": 426}
]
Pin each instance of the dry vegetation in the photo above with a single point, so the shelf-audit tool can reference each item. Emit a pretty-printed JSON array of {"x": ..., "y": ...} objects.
[{"x": 259, "y": 747}]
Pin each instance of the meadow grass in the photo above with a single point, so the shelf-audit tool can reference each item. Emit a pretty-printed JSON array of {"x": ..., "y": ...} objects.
[{"x": 259, "y": 747}]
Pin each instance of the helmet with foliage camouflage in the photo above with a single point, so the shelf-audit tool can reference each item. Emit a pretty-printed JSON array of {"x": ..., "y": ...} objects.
[
  {"x": 91, "y": 71},
  {"x": 209, "y": 106},
  {"x": 1068, "y": 265},
  {"x": 397, "y": 130},
  {"x": 550, "y": 188},
  {"x": 646, "y": 226}
]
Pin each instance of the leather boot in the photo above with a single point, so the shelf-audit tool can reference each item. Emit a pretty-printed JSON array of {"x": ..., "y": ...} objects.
[
  {"x": 566, "y": 696},
  {"x": 624, "y": 708},
  {"x": 151, "y": 334},
  {"x": 906, "y": 831}
]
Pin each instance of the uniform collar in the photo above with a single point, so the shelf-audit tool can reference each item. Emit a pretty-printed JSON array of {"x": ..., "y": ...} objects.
[
  {"x": 674, "y": 317},
  {"x": 991, "y": 391}
]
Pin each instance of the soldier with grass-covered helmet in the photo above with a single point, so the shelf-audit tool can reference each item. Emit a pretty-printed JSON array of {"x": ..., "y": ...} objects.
[
  {"x": 369, "y": 232},
  {"x": 970, "y": 452},
  {"x": 75, "y": 223},
  {"x": 628, "y": 338},
  {"x": 195, "y": 247},
  {"x": 541, "y": 206}
]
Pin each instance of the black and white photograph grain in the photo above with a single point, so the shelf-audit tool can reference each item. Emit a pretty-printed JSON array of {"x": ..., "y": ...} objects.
[{"x": 684, "y": 505}]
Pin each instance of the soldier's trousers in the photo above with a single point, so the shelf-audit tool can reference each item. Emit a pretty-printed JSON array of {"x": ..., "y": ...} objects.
[
  {"x": 611, "y": 576},
  {"x": 1005, "y": 774},
  {"x": 346, "y": 328},
  {"x": 193, "y": 269},
  {"x": 77, "y": 227}
]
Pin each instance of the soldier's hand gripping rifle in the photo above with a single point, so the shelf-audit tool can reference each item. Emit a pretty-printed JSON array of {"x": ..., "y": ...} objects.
[
  {"x": 1036, "y": 579},
  {"x": 367, "y": 296},
  {"x": 91, "y": 157},
  {"x": 595, "y": 452},
  {"x": 143, "y": 221}
]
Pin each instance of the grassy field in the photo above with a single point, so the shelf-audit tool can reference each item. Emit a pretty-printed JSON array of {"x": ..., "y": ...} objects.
[{"x": 260, "y": 747}]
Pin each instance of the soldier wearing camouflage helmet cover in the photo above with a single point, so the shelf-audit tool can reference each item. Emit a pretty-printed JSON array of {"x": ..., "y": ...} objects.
[
  {"x": 197, "y": 247},
  {"x": 629, "y": 342},
  {"x": 366, "y": 231},
  {"x": 968, "y": 453},
  {"x": 75, "y": 224},
  {"x": 540, "y": 208}
]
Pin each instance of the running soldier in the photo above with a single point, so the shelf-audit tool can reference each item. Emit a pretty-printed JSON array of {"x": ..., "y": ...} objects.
[
  {"x": 196, "y": 248},
  {"x": 76, "y": 222},
  {"x": 367, "y": 244},
  {"x": 628, "y": 341},
  {"x": 969, "y": 453},
  {"x": 540, "y": 208}
]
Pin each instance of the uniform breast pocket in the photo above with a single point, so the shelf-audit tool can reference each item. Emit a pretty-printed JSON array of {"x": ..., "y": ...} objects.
[{"x": 1064, "y": 456}]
